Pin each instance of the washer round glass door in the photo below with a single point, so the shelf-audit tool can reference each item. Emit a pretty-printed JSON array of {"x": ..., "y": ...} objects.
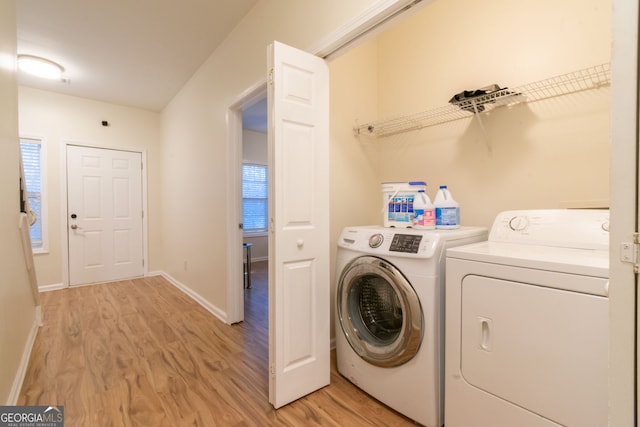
[{"x": 379, "y": 311}]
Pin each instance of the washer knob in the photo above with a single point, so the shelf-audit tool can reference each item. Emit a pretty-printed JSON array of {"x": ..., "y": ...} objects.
[{"x": 376, "y": 240}]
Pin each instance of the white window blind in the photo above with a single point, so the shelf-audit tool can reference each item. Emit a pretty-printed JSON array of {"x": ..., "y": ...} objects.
[
  {"x": 254, "y": 198},
  {"x": 31, "y": 151}
]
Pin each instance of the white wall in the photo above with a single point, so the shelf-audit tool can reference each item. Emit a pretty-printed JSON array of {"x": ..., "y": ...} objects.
[
  {"x": 17, "y": 306},
  {"x": 61, "y": 118},
  {"x": 194, "y": 135}
]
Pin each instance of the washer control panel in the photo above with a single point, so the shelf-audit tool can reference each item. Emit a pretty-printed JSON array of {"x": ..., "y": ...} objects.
[
  {"x": 407, "y": 242},
  {"x": 572, "y": 228},
  {"x": 390, "y": 241}
]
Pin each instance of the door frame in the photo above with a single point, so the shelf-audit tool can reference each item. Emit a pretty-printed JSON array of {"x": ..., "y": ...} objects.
[
  {"x": 624, "y": 217},
  {"x": 64, "y": 200}
]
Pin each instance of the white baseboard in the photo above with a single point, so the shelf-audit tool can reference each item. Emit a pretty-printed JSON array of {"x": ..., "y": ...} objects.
[
  {"x": 51, "y": 287},
  {"x": 12, "y": 400},
  {"x": 220, "y": 314}
]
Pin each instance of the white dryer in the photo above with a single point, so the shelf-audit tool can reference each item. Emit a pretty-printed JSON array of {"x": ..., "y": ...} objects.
[
  {"x": 389, "y": 314},
  {"x": 527, "y": 323}
]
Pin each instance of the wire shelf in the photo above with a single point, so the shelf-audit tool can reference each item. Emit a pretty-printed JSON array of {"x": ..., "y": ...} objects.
[{"x": 585, "y": 79}]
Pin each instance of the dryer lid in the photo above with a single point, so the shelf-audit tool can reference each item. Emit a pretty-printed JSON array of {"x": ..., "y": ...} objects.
[{"x": 562, "y": 260}]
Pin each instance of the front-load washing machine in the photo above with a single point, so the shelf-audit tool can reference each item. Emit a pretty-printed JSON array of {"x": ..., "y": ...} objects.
[
  {"x": 527, "y": 323},
  {"x": 389, "y": 314}
]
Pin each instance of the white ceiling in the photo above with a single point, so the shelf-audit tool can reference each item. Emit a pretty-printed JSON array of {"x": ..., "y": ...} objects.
[{"x": 137, "y": 53}]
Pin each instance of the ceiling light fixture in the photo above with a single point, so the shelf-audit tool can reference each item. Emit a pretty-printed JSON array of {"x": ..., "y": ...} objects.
[{"x": 40, "y": 67}]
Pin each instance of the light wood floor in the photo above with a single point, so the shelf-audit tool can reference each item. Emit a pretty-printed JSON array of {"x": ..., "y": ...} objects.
[{"x": 142, "y": 353}]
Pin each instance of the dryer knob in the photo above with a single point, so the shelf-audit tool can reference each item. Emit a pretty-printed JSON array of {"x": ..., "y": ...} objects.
[
  {"x": 376, "y": 240},
  {"x": 518, "y": 223}
]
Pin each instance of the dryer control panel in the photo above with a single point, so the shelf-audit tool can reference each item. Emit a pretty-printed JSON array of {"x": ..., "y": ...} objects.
[{"x": 568, "y": 228}]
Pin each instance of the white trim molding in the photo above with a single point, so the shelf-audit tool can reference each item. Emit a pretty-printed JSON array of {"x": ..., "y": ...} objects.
[
  {"x": 220, "y": 314},
  {"x": 371, "y": 22},
  {"x": 51, "y": 287},
  {"x": 21, "y": 372}
]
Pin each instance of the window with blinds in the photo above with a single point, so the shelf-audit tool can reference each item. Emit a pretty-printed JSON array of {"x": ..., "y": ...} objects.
[
  {"x": 31, "y": 151},
  {"x": 254, "y": 198}
]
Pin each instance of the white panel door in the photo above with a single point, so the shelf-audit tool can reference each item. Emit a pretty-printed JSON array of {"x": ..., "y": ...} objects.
[
  {"x": 104, "y": 215},
  {"x": 299, "y": 291}
]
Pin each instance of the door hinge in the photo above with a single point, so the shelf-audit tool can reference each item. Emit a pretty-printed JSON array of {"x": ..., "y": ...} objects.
[
  {"x": 271, "y": 76},
  {"x": 630, "y": 252}
]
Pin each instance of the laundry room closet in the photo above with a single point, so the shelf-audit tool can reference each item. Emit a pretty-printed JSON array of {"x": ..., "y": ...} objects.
[{"x": 549, "y": 153}]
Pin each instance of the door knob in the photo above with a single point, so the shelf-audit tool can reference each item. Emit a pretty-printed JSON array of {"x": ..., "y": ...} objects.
[
  {"x": 74, "y": 226},
  {"x": 300, "y": 243}
]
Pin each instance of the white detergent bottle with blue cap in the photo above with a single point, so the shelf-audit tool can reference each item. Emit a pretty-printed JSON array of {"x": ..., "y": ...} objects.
[
  {"x": 424, "y": 210},
  {"x": 447, "y": 210}
]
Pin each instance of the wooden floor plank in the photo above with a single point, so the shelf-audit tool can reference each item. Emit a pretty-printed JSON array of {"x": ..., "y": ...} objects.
[{"x": 142, "y": 353}]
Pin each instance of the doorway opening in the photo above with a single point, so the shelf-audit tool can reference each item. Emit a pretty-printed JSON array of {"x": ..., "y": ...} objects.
[
  {"x": 254, "y": 195},
  {"x": 246, "y": 120}
]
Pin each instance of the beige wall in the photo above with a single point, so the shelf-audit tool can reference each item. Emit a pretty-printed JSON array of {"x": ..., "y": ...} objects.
[
  {"x": 355, "y": 197},
  {"x": 17, "y": 307},
  {"x": 194, "y": 134},
  {"x": 549, "y": 154},
  {"x": 62, "y": 118}
]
